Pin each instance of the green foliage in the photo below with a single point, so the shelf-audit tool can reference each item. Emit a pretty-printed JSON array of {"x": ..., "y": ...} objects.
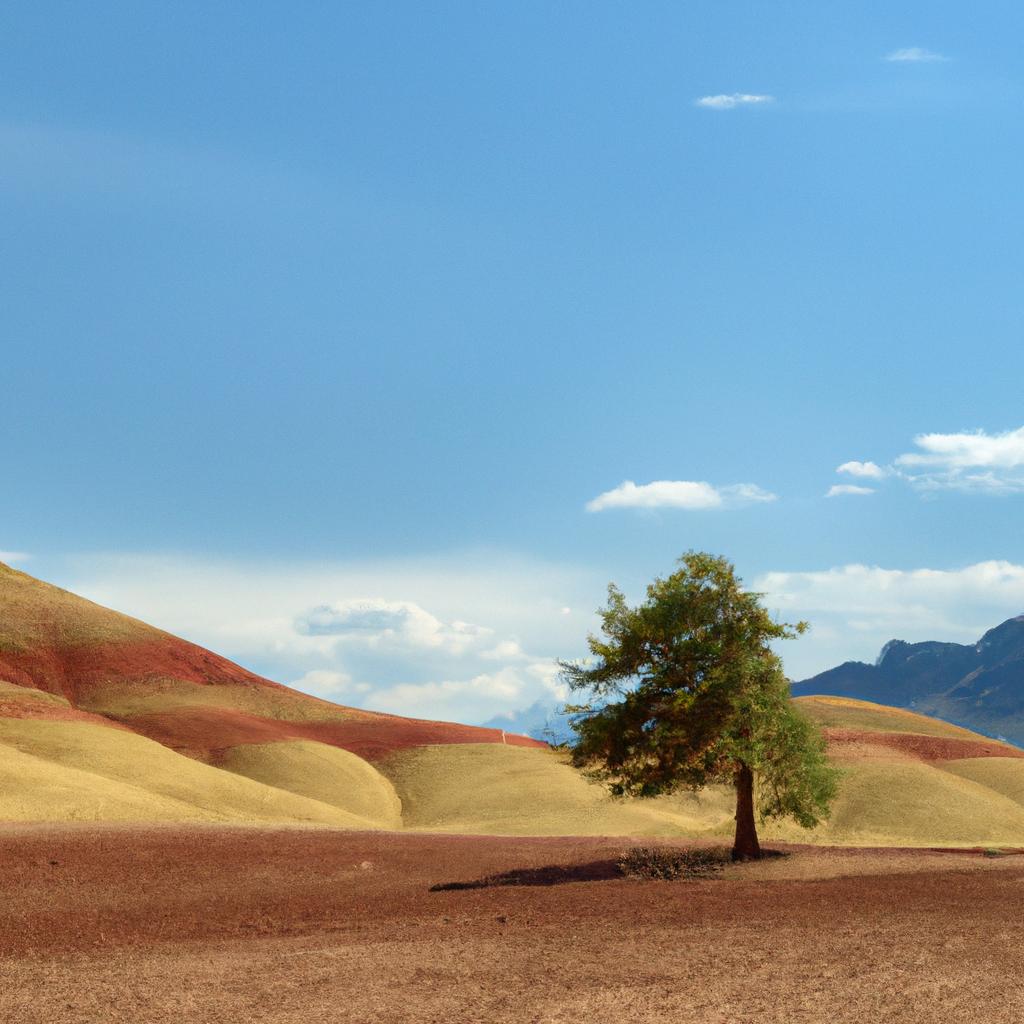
[
  {"x": 685, "y": 690},
  {"x": 663, "y": 864}
]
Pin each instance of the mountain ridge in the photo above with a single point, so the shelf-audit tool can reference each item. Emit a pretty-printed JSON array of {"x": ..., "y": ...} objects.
[{"x": 979, "y": 686}]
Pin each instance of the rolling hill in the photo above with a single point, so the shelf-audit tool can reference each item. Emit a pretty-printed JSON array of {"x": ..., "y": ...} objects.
[
  {"x": 980, "y": 686},
  {"x": 103, "y": 717}
]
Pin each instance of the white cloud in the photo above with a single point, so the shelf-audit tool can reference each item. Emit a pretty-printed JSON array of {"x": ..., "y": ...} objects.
[
  {"x": 854, "y": 609},
  {"x": 376, "y": 621},
  {"x": 967, "y": 461},
  {"x": 330, "y": 684},
  {"x": 685, "y": 494},
  {"x": 864, "y": 469},
  {"x": 475, "y": 698},
  {"x": 837, "y": 489},
  {"x": 14, "y": 557},
  {"x": 505, "y": 650},
  {"x": 914, "y": 55},
  {"x": 728, "y": 101}
]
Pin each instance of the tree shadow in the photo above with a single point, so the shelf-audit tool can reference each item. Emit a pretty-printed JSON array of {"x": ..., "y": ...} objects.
[{"x": 552, "y": 874}]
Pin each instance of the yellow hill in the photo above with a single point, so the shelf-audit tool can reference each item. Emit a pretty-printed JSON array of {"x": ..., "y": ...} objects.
[
  {"x": 488, "y": 788},
  {"x": 847, "y": 713},
  {"x": 321, "y": 772},
  {"x": 69, "y": 771},
  {"x": 1004, "y": 775}
]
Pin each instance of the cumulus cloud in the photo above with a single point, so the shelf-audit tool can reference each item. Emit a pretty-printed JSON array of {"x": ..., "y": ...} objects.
[
  {"x": 839, "y": 489},
  {"x": 914, "y": 55},
  {"x": 376, "y": 621},
  {"x": 512, "y": 687},
  {"x": 854, "y": 609},
  {"x": 685, "y": 494},
  {"x": 973, "y": 460},
  {"x": 864, "y": 469},
  {"x": 728, "y": 101},
  {"x": 323, "y": 682}
]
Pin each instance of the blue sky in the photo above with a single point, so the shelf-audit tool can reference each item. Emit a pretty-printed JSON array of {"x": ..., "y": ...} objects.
[{"x": 352, "y": 308}]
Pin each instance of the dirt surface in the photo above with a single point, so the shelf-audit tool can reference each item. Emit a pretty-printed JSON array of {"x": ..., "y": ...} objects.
[
  {"x": 207, "y": 732},
  {"x": 852, "y": 743},
  {"x": 212, "y": 924}
]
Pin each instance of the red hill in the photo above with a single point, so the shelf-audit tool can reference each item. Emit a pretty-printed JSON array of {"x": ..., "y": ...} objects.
[{"x": 69, "y": 658}]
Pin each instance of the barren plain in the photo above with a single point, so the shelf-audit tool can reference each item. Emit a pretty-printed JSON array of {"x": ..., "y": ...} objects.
[{"x": 212, "y": 923}]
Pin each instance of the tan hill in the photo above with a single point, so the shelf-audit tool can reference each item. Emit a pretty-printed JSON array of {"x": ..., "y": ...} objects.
[
  {"x": 103, "y": 717},
  {"x": 979, "y": 685}
]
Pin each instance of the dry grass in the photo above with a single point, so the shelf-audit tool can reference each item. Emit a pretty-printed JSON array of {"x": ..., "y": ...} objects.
[
  {"x": 75, "y": 770},
  {"x": 320, "y": 772},
  {"x": 11, "y": 693},
  {"x": 487, "y": 789},
  {"x": 125, "y": 699},
  {"x": 79, "y": 771},
  {"x": 847, "y": 713},
  {"x": 39, "y": 613},
  {"x": 998, "y": 774},
  {"x": 908, "y": 803},
  {"x": 483, "y": 788}
]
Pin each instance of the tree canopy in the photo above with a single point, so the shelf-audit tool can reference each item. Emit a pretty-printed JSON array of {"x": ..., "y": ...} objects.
[{"x": 685, "y": 690}]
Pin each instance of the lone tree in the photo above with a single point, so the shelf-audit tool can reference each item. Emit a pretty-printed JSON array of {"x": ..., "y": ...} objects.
[{"x": 686, "y": 691}]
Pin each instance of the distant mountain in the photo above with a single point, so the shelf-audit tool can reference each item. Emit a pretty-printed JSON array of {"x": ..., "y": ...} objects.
[{"x": 979, "y": 686}]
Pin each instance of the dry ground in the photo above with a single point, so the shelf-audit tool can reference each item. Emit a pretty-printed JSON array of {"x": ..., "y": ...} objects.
[{"x": 150, "y": 924}]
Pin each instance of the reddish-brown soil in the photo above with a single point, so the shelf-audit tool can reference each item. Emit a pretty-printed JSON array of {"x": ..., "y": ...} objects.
[
  {"x": 77, "y": 670},
  {"x": 921, "y": 748},
  {"x": 208, "y": 732},
  {"x": 82, "y": 672},
  {"x": 212, "y": 924}
]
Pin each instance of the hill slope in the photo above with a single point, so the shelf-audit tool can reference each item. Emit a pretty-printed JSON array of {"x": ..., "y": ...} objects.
[
  {"x": 72, "y": 658},
  {"x": 980, "y": 685},
  {"x": 103, "y": 717}
]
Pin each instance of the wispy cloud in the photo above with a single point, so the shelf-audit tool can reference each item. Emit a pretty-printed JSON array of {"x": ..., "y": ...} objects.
[
  {"x": 974, "y": 461},
  {"x": 14, "y": 557},
  {"x": 871, "y": 470},
  {"x": 839, "y": 489},
  {"x": 728, "y": 101},
  {"x": 914, "y": 55},
  {"x": 693, "y": 495}
]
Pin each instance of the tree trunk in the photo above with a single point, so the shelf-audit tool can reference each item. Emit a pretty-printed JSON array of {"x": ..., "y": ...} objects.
[{"x": 746, "y": 846}]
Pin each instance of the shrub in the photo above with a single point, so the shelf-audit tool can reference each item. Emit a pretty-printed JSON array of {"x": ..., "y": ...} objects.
[{"x": 668, "y": 864}]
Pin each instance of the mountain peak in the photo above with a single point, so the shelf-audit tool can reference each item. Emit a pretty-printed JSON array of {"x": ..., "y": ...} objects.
[{"x": 1003, "y": 641}]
